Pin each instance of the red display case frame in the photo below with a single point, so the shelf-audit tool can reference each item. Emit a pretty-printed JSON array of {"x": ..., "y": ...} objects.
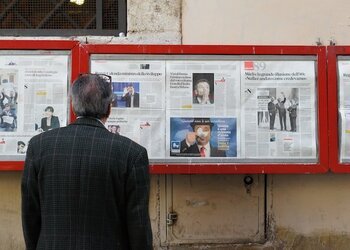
[
  {"x": 334, "y": 159},
  {"x": 42, "y": 45},
  {"x": 234, "y": 168}
]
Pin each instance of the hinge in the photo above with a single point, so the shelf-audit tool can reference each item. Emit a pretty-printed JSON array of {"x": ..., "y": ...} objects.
[{"x": 171, "y": 218}]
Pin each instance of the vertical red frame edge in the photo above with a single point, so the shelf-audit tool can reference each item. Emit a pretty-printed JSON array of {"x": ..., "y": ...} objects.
[
  {"x": 236, "y": 168},
  {"x": 334, "y": 150},
  {"x": 36, "y": 45}
]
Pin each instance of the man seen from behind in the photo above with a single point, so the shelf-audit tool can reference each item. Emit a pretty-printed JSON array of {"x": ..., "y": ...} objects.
[{"x": 84, "y": 187}]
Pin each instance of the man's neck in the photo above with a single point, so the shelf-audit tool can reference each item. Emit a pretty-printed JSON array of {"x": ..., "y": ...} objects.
[{"x": 102, "y": 120}]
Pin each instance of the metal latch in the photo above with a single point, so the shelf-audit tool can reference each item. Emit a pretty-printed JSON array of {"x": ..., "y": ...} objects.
[
  {"x": 248, "y": 182},
  {"x": 171, "y": 218}
]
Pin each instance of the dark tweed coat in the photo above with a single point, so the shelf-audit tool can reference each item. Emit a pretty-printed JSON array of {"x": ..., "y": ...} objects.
[{"x": 85, "y": 188}]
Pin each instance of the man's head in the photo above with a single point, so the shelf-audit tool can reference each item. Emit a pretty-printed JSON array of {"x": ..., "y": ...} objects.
[
  {"x": 49, "y": 111},
  {"x": 92, "y": 96},
  {"x": 7, "y": 107},
  {"x": 202, "y": 127},
  {"x": 21, "y": 144},
  {"x": 202, "y": 88},
  {"x": 272, "y": 98},
  {"x": 131, "y": 89},
  {"x": 115, "y": 129},
  {"x": 20, "y": 147}
]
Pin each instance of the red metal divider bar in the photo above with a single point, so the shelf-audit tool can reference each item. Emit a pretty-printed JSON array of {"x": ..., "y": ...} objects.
[{"x": 334, "y": 153}]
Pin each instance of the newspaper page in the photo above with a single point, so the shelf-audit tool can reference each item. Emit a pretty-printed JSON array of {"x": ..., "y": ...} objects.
[
  {"x": 138, "y": 110},
  {"x": 203, "y": 109},
  {"x": 279, "y": 110},
  {"x": 344, "y": 109},
  {"x": 33, "y": 99}
]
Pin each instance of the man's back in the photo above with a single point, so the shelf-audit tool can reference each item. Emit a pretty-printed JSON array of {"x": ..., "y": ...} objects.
[{"x": 92, "y": 188}]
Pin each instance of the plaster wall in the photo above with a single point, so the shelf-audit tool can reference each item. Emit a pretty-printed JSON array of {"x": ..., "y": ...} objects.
[{"x": 270, "y": 22}]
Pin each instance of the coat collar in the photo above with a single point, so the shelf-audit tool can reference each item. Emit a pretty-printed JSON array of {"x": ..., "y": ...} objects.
[{"x": 89, "y": 121}]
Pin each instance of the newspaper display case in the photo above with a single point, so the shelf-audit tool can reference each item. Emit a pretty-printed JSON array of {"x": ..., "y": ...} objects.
[
  {"x": 34, "y": 80},
  {"x": 339, "y": 108},
  {"x": 219, "y": 109}
]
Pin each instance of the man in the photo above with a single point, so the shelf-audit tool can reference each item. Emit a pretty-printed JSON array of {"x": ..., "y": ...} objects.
[
  {"x": 131, "y": 98},
  {"x": 197, "y": 143},
  {"x": 202, "y": 92},
  {"x": 20, "y": 147},
  {"x": 115, "y": 129},
  {"x": 292, "y": 109},
  {"x": 9, "y": 119},
  {"x": 84, "y": 187},
  {"x": 282, "y": 111},
  {"x": 271, "y": 107}
]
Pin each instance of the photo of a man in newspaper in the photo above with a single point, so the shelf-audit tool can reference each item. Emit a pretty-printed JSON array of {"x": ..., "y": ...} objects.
[
  {"x": 203, "y": 88},
  {"x": 126, "y": 94},
  {"x": 202, "y": 137}
]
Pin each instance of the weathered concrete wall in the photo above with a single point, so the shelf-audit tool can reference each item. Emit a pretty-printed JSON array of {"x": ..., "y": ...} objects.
[
  {"x": 10, "y": 211},
  {"x": 309, "y": 211}
]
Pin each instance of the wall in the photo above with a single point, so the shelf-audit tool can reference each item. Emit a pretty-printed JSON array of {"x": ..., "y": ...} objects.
[
  {"x": 299, "y": 22},
  {"x": 303, "y": 211}
]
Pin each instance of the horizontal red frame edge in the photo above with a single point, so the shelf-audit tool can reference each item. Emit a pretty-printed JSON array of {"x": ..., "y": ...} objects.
[
  {"x": 264, "y": 168},
  {"x": 37, "y": 44},
  {"x": 202, "y": 49},
  {"x": 210, "y": 168}
]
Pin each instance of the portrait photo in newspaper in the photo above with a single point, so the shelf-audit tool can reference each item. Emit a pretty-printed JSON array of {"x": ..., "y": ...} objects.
[
  {"x": 203, "y": 137},
  {"x": 203, "y": 88},
  {"x": 47, "y": 117},
  {"x": 114, "y": 128}
]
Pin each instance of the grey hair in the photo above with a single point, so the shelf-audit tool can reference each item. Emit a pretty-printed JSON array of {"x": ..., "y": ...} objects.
[{"x": 91, "y": 96}]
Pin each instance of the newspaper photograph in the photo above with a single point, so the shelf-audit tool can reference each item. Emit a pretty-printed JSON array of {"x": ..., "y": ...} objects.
[
  {"x": 33, "y": 98},
  {"x": 203, "y": 137},
  {"x": 204, "y": 85},
  {"x": 278, "y": 110},
  {"x": 344, "y": 109},
  {"x": 136, "y": 84},
  {"x": 138, "y": 109}
]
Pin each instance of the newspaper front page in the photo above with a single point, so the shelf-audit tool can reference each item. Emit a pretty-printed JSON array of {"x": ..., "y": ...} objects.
[
  {"x": 203, "y": 109},
  {"x": 344, "y": 109},
  {"x": 278, "y": 110},
  {"x": 138, "y": 110},
  {"x": 33, "y": 99}
]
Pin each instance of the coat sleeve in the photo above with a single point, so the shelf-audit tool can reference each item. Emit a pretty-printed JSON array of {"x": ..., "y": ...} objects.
[
  {"x": 137, "y": 202},
  {"x": 31, "y": 219}
]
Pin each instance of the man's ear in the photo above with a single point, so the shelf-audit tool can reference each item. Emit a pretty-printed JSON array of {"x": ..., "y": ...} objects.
[{"x": 109, "y": 110}]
